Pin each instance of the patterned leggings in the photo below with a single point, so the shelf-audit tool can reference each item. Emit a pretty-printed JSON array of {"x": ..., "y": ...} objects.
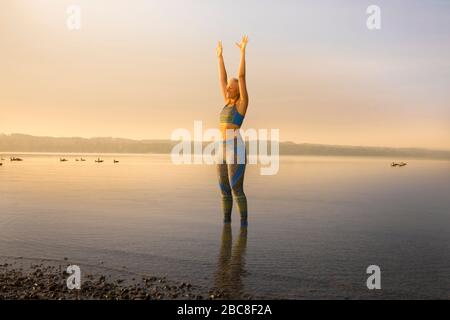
[{"x": 231, "y": 172}]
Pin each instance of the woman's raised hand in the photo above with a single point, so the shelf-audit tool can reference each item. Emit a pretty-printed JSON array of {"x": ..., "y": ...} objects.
[
  {"x": 219, "y": 49},
  {"x": 243, "y": 43}
]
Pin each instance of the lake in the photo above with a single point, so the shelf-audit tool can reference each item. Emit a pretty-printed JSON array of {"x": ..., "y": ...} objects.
[{"x": 314, "y": 228}]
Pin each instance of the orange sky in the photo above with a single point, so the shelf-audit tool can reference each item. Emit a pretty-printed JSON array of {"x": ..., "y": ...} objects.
[{"x": 142, "y": 69}]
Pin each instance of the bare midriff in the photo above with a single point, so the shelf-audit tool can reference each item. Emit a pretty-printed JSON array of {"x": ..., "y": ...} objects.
[{"x": 228, "y": 126}]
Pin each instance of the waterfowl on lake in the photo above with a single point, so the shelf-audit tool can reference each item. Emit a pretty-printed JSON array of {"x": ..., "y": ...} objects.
[
  {"x": 62, "y": 159},
  {"x": 83, "y": 159},
  {"x": 15, "y": 159},
  {"x": 116, "y": 161},
  {"x": 393, "y": 164},
  {"x": 99, "y": 160},
  {"x": 396, "y": 164}
]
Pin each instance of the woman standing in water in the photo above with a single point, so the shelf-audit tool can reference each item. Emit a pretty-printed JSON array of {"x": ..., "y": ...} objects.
[{"x": 231, "y": 168}]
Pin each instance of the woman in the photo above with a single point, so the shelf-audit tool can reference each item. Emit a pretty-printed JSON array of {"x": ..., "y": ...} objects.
[{"x": 231, "y": 168}]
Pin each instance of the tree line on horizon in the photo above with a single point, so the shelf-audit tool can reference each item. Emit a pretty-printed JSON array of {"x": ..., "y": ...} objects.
[{"x": 28, "y": 143}]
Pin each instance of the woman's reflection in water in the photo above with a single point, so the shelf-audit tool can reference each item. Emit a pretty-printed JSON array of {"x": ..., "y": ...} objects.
[{"x": 230, "y": 267}]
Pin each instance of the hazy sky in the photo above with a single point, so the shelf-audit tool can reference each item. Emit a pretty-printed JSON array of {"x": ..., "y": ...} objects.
[{"x": 140, "y": 69}]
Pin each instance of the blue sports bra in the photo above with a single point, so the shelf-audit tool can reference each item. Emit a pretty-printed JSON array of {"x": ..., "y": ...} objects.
[{"x": 229, "y": 114}]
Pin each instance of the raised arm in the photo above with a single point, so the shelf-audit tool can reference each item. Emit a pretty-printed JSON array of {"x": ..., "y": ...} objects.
[
  {"x": 222, "y": 71},
  {"x": 243, "y": 104}
]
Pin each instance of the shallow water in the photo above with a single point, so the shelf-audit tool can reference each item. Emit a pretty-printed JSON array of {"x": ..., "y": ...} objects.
[{"x": 313, "y": 230}]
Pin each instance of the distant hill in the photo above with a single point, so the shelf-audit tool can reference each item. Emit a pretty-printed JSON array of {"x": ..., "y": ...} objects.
[{"x": 27, "y": 143}]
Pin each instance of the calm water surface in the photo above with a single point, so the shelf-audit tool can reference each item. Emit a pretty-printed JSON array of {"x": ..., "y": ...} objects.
[{"x": 313, "y": 230}]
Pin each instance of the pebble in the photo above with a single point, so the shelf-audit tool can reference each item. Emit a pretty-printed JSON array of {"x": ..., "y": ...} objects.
[{"x": 49, "y": 282}]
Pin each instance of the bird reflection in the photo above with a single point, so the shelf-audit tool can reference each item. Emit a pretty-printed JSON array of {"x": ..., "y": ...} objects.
[{"x": 231, "y": 262}]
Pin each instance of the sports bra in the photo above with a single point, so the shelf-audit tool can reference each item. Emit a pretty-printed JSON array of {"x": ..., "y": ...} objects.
[{"x": 229, "y": 114}]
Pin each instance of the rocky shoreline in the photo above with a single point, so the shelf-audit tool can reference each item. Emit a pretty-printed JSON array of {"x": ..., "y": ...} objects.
[{"x": 49, "y": 282}]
